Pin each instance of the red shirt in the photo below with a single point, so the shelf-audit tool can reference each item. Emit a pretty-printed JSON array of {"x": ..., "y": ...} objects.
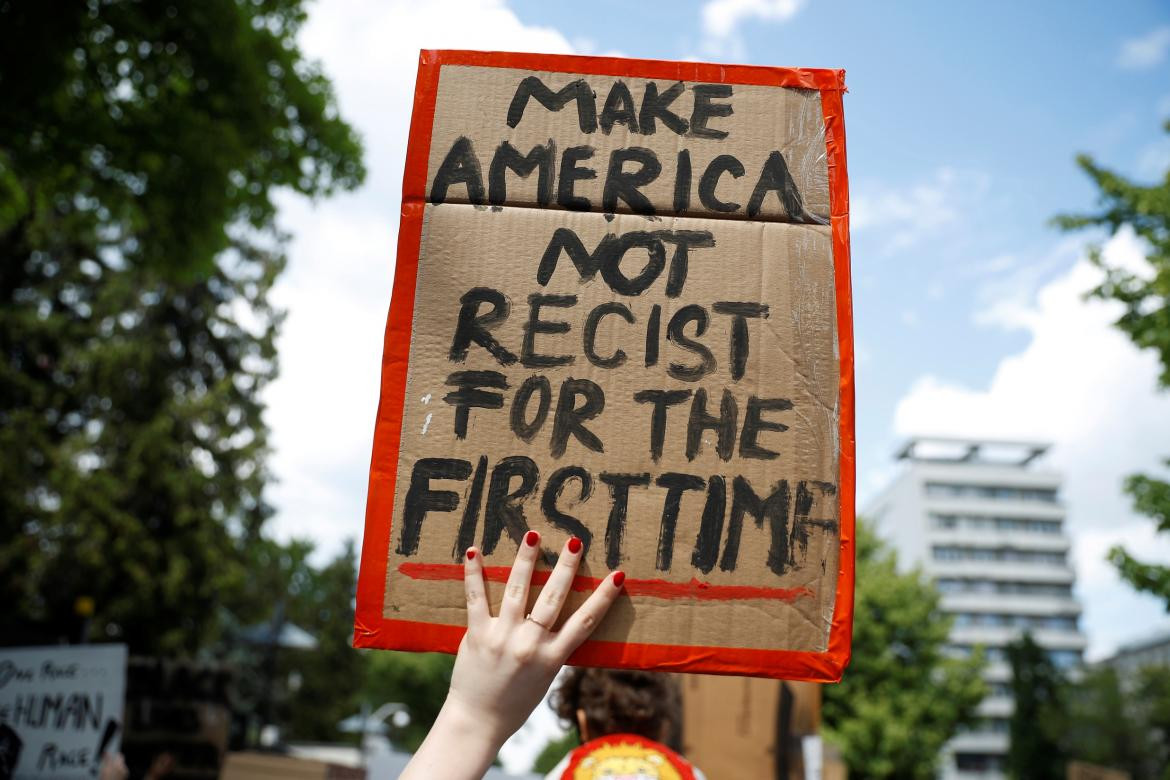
[{"x": 626, "y": 757}]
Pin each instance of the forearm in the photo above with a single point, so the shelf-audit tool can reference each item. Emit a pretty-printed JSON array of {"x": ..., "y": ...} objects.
[{"x": 459, "y": 746}]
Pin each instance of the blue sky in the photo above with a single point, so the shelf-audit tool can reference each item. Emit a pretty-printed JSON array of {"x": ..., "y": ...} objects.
[
  {"x": 1002, "y": 94},
  {"x": 962, "y": 120}
]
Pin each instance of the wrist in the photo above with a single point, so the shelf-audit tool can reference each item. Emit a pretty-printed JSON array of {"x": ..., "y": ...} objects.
[
  {"x": 461, "y": 745},
  {"x": 472, "y": 725}
]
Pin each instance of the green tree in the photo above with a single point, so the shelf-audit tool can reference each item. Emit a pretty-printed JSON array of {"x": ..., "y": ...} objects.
[
  {"x": 419, "y": 681},
  {"x": 1036, "y": 751},
  {"x": 311, "y": 690},
  {"x": 1151, "y": 497},
  {"x": 141, "y": 145},
  {"x": 1153, "y": 687},
  {"x": 902, "y": 697},
  {"x": 333, "y": 674},
  {"x": 1118, "y": 722},
  {"x": 553, "y": 751},
  {"x": 306, "y": 692},
  {"x": 1125, "y": 727},
  {"x": 1145, "y": 298}
]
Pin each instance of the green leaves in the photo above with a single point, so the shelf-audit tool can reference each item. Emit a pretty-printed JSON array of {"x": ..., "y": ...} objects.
[
  {"x": 553, "y": 751},
  {"x": 1119, "y": 721},
  {"x": 1146, "y": 320},
  {"x": 417, "y": 680},
  {"x": 1144, "y": 208},
  {"x": 140, "y": 149},
  {"x": 902, "y": 697},
  {"x": 1115, "y": 721},
  {"x": 165, "y": 123},
  {"x": 1036, "y": 750}
]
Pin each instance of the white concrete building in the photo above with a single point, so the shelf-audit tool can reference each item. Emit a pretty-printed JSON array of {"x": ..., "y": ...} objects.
[
  {"x": 1151, "y": 650},
  {"x": 986, "y": 524}
]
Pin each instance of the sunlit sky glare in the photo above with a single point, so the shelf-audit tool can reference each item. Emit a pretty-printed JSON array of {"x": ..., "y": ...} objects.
[{"x": 962, "y": 121}]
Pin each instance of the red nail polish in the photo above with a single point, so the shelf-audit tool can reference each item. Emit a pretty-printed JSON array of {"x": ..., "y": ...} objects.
[
  {"x": 532, "y": 538},
  {"x": 471, "y": 555},
  {"x": 618, "y": 578},
  {"x": 574, "y": 545}
]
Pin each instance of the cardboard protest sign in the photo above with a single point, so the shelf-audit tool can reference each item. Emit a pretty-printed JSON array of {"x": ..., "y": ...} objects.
[
  {"x": 622, "y": 311},
  {"x": 60, "y": 709}
]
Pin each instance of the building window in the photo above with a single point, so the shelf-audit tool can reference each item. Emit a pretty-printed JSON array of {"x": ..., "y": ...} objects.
[
  {"x": 955, "y": 585},
  {"x": 1065, "y": 659},
  {"x": 947, "y": 553},
  {"x": 995, "y": 492},
  {"x": 987, "y": 726},
  {"x": 1026, "y": 622},
  {"x": 996, "y": 726},
  {"x": 978, "y": 762},
  {"x": 947, "y": 522},
  {"x": 996, "y": 554},
  {"x": 1061, "y": 623},
  {"x": 993, "y": 655},
  {"x": 943, "y": 490},
  {"x": 1027, "y": 525}
]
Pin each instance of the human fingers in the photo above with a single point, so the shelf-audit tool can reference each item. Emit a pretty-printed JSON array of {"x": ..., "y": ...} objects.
[
  {"x": 478, "y": 612},
  {"x": 582, "y": 623},
  {"x": 552, "y": 595},
  {"x": 113, "y": 767},
  {"x": 519, "y": 579}
]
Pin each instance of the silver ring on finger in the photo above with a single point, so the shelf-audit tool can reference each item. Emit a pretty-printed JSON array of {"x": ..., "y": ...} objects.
[{"x": 537, "y": 622}]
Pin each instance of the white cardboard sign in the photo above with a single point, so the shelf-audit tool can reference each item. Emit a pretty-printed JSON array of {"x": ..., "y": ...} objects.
[{"x": 60, "y": 709}]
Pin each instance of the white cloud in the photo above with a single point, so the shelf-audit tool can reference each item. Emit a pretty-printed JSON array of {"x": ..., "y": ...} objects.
[
  {"x": 722, "y": 19},
  {"x": 590, "y": 47},
  {"x": 1145, "y": 51},
  {"x": 1006, "y": 288},
  {"x": 904, "y": 216},
  {"x": 995, "y": 265},
  {"x": 1081, "y": 385},
  {"x": 337, "y": 287}
]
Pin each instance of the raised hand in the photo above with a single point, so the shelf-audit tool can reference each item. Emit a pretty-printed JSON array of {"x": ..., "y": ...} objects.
[{"x": 506, "y": 663}]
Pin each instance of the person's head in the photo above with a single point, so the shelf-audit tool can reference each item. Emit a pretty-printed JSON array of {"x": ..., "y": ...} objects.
[{"x": 604, "y": 701}]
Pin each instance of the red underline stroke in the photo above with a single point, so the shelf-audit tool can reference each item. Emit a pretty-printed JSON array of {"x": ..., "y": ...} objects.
[{"x": 659, "y": 589}]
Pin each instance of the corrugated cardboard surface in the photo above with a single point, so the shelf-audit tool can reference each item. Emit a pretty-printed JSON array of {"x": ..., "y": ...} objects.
[
  {"x": 266, "y": 766},
  {"x": 791, "y": 356},
  {"x": 740, "y": 727},
  {"x": 781, "y": 260},
  {"x": 1078, "y": 770},
  {"x": 730, "y": 725},
  {"x": 472, "y": 102}
]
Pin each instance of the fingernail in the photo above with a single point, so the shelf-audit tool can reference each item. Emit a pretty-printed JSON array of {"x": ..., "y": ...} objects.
[
  {"x": 618, "y": 578},
  {"x": 532, "y": 538},
  {"x": 471, "y": 555},
  {"x": 574, "y": 545}
]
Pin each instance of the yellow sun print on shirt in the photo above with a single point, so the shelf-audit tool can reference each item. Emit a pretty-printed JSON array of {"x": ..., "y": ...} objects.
[{"x": 625, "y": 762}]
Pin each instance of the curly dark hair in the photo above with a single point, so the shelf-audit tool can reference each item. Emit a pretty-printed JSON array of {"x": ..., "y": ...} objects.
[{"x": 620, "y": 702}]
